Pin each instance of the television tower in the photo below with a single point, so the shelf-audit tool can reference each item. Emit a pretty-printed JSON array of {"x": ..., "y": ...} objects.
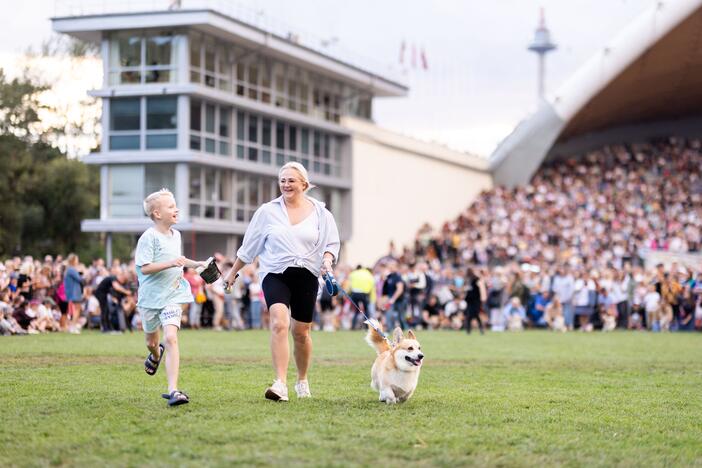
[{"x": 541, "y": 45}]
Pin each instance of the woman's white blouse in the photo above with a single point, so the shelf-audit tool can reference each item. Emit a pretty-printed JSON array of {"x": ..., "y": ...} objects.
[{"x": 272, "y": 239}]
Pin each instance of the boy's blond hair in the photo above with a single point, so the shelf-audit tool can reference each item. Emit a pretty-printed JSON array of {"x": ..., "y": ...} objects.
[{"x": 151, "y": 202}]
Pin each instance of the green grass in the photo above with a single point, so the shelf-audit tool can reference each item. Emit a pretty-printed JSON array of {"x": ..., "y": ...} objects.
[{"x": 629, "y": 399}]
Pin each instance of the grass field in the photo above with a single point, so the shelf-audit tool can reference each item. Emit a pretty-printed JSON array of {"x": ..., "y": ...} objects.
[{"x": 501, "y": 399}]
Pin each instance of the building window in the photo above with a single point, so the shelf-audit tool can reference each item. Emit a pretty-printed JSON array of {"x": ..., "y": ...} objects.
[
  {"x": 210, "y": 194},
  {"x": 250, "y": 75},
  {"x": 270, "y": 141},
  {"x": 137, "y": 58},
  {"x": 130, "y": 184},
  {"x": 250, "y": 192},
  {"x": 125, "y": 118},
  {"x": 210, "y": 126},
  {"x": 160, "y": 123}
]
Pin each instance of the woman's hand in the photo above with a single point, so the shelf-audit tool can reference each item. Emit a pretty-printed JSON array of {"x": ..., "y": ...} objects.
[
  {"x": 327, "y": 265},
  {"x": 228, "y": 281}
]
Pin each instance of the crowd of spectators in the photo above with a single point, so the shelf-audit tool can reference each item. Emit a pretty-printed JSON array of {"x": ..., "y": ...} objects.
[{"x": 563, "y": 252}]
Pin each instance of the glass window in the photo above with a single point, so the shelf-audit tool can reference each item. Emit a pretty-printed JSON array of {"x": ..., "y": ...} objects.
[
  {"x": 326, "y": 152},
  {"x": 159, "y": 50},
  {"x": 195, "y": 116},
  {"x": 224, "y": 119},
  {"x": 127, "y": 52},
  {"x": 124, "y": 142},
  {"x": 317, "y": 143},
  {"x": 305, "y": 141},
  {"x": 280, "y": 135},
  {"x": 292, "y": 134},
  {"x": 195, "y": 61},
  {"x": 209, "y": 65},
  {"x": 195, "y": 143},
  {"x": 304, "y": 93},
  {"x": 266, "y": 132},
  {"x": 240, "y": 126},
  {"x": 158, "y": 76},
  {"x": 209, "y": 118},
  {"x": 161, "y": 141},
  {"x": 159, "y": 176},
  {"x": 126, "y": 189},
  {"x": 210, "y": 190},
  {"x": 253, "y": 128},
  {"x": 240, "y": 73},
  {"x": 253, "y": 192},
  {"x": 161, "y": 112},
  {"x": 124, "y": 114},
  {"x": 209, "y": 145}
]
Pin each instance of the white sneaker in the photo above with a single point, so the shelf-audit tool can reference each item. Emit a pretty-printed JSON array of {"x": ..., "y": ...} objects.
[
  {"x": 302, "y": 388},
  {"x": 277, "y": 392}
]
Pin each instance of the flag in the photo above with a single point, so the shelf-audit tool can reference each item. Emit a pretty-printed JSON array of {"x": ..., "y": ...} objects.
[
  {"x": 402, "y": 52},
  {"x": 423, "y": 56},
  {"x": 414, "y": 56}
]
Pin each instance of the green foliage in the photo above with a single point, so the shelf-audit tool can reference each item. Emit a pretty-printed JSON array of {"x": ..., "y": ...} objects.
[
  {"x": 43, "y": 194},
  {"x": 18, "y": 105},
  {"x": 529, "y": 399}
]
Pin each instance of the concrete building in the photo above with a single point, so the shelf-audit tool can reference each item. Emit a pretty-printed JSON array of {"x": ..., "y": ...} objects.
[{"x": 210, "y": 106}]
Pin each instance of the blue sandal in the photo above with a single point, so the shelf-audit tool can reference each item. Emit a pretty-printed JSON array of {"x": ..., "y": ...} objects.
[
  {"x": 176, "y": 397},
  {"x": 151, "y": 364}
]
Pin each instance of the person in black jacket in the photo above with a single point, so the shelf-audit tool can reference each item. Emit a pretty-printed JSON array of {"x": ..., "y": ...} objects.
[{"x": 473, "y": 300}]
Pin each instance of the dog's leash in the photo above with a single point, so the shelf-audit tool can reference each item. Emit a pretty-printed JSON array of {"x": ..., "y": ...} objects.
[{"x": 334, "y": 289}]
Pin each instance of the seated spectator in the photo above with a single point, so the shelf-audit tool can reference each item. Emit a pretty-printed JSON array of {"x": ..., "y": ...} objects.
[
  {"x": 537, "y": 309},
  {"x": 686, "y": 320},
  {"x": 514, "y": 314},
  {"x": 431, "y": 313}
]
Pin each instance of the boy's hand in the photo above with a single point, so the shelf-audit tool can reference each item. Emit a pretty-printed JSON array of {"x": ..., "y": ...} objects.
[{"x": 179, "y": 262}]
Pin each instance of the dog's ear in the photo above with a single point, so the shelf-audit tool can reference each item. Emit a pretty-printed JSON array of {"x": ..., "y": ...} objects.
[
  {"x": 397, "y": 335},
  {"x": 410, "y": 335}
]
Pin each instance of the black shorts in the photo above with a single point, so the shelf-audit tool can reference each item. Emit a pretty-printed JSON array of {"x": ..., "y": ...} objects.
[{"x": 296, "y": 288}]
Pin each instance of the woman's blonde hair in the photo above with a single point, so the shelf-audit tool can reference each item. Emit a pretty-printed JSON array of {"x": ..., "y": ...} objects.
[
  {"x": 72, "y": 259},
  {"x": 301, "y": 170},
  {"x": 151, "y": 201}
]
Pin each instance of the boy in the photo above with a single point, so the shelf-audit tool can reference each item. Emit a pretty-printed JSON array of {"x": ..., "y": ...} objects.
[{"x": 162, "y": 288}]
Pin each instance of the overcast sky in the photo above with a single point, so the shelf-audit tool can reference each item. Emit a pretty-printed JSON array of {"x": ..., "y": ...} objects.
[{"x": 480, "y": 81}]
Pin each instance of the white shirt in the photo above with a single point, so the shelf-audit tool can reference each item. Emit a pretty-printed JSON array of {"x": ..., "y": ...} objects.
[
  {"x": 652, "y": 301},
  {"x": 306, "y": 233},
  {"x": 272, "y": 239}
]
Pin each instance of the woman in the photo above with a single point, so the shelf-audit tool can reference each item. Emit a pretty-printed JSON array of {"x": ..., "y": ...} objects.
[
  {"x": 296, "y": 239},
  {"x": 73, "y": 287}
]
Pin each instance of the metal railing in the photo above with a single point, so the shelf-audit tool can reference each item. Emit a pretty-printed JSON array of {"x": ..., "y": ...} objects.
[{"x": 249, "y": 16}]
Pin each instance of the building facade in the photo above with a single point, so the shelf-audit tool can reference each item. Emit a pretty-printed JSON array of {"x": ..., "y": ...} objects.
[{"x": 211, "y": 107}]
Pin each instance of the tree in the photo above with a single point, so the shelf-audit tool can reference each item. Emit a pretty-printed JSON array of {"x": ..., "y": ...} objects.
[
  {"x": 18, "y": 105},
  {"x": 43, "y": 194}
]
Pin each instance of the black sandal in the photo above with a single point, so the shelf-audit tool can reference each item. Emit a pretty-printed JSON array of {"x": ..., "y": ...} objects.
[
  {"x": 176, "y": 397},
  {"x": 151, "y": 364}
]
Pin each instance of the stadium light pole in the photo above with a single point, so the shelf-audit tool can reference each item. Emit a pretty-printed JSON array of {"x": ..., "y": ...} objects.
[{"x": 541, "y": 45}]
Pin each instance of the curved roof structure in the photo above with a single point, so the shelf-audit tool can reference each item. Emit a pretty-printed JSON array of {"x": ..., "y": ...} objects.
[{"x": 647, "y": 82}]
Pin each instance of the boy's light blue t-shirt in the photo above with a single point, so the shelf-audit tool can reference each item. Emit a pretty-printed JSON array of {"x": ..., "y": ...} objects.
[{"x": 168, "y": 286}]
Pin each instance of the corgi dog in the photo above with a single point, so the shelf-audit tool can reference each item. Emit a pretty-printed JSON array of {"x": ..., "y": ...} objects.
[{"x": 395, "y": 371}]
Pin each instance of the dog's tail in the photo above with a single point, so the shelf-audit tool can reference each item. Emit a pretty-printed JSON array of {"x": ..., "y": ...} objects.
[{"x": 375, "y": 339}]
